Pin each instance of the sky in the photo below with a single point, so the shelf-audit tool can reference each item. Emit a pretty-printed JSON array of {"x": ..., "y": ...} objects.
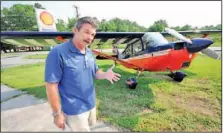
[{"x": 145, "y": 13}]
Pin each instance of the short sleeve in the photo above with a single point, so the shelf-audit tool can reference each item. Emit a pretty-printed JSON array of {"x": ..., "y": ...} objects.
[
  {"x": 53, "y": 67},
  {"x": 95, "y": 66}
]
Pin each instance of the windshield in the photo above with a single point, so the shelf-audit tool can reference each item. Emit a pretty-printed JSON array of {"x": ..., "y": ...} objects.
[{"x": 154, "y": 39}]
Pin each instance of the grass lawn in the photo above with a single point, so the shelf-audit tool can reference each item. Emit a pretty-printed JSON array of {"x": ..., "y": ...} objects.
[
  {"x": 158, "y": 103},
  {"x": 216, "y": 44}
]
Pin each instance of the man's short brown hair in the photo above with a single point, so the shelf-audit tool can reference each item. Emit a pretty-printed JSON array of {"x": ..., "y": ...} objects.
[{"x": 86, "y": 20}]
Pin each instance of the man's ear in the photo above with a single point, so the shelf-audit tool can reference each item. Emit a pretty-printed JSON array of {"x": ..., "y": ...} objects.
[{"x": 75, "y": 30}]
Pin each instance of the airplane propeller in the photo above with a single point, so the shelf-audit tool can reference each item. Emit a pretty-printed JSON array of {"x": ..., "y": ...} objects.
[
  {"x": 211, "y": 53},
  {"x": 178, "y": 35},
  {"x": 205, "y": 51}
]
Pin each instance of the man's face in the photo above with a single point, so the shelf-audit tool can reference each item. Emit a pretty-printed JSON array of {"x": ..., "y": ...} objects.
[{"x": 85, "y": 35}]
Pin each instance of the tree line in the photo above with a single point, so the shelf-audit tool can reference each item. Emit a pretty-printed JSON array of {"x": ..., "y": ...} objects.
[{"x": 21, "y": 17}]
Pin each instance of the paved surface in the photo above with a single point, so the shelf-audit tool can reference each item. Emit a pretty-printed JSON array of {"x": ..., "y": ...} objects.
[
  {"x": 15, "y": 59},
  {"x": 7, "y": 93},
  {"x": 23, "y": 112},
  {"x": 27, "y": 113},
  {"x": 215, "y": 48}
]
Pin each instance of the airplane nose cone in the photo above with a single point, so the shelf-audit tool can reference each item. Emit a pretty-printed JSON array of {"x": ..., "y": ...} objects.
[
  {"x": 199, "y": 44},
  {"x": 202, "y": 42}
]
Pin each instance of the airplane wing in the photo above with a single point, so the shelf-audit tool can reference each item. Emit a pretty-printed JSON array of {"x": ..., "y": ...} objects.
[
  {"x": 194, "y": 32},
  {"x": 30, "y": 39},
  {"x": 52, "y": 38}
]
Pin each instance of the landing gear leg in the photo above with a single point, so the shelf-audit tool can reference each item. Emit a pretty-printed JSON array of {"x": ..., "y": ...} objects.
[
  {"x": 115, "y": 62},
  {"x": 139, "y": 73}
]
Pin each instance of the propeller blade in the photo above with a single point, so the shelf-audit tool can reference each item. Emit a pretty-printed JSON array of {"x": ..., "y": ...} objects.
[
  {"x": 178, "y": 35},
  {"x": 211, "y": 53}
]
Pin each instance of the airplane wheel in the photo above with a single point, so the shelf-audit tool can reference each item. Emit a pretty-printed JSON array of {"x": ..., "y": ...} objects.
[
  {"x": 177, "y": 76},
  {"x": 131, "y": 83}
]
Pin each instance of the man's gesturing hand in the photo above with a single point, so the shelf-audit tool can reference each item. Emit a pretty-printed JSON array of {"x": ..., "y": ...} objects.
[
  {"x": 111, "y": 76},
  {"x": 59, "y": 120}
]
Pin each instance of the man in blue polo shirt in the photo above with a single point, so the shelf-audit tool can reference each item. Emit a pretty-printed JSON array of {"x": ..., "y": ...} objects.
[{"x": 69, "y": 75}]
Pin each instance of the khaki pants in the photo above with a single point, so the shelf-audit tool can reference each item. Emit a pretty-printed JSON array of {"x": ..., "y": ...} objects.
[{"x": 81, "y": 122}]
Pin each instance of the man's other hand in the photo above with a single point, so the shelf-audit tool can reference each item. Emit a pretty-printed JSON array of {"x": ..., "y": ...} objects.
[
  {"x": 112, "y": 76},
  {"x": 59, "y": 120}
]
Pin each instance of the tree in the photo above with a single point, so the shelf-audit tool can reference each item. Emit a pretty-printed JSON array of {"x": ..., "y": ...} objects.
[
  {"x": 111, "y": 26},
  {"x": 158, "y": 26},
  {"x": 177, "y": 28},
  {"x": 120, "y": 25},
  {"x": 162, "y": 22},
  {"x": 218, "y": 27},
  {"x": 61, "y": 26},
  {"x": 186, "y": 27},
  {"x": 71, "y": 23},
  {"x": 103, "y": 25},
  {"x": 125, "y": 26},
  {"x": 19, "y": 17}
]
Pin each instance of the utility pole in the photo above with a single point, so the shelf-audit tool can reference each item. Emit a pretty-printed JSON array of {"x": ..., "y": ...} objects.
[{"x": 77, "y": 13}]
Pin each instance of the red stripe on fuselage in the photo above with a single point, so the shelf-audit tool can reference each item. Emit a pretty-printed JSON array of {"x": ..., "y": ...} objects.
[{"x": 157, "y": 61}]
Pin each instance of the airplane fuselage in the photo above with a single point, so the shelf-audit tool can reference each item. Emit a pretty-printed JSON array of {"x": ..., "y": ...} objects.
[
  {"x": 164, "y": 60},
  {"x": 169, "y": 57}
]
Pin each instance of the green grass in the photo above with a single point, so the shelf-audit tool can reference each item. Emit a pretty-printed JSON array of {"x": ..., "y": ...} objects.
[
  {"x": 36, "y": 56},
  {"x": 158, "y": 103}
]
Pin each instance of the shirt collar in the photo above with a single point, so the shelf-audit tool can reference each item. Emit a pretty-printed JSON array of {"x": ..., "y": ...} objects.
[{"x": 73, "y": 48}]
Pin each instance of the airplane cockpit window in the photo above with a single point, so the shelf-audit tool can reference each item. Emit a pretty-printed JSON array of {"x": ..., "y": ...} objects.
[
  {"x": 127, "y": 53},
  {"x": 153, "y": 39},
  {"x": 137, "y": 47}
]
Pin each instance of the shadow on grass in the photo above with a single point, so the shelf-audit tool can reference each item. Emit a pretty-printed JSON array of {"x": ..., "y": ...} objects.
[{"x": 189, "y": 74}]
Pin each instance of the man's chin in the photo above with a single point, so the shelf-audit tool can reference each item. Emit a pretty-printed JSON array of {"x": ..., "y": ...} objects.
[
  {"x": 82, "y": 45},
  {"x": 86, "y": 44}
]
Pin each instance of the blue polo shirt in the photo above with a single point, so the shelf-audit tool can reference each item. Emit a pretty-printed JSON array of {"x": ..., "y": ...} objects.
[{"x": 74, "y": 72}]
